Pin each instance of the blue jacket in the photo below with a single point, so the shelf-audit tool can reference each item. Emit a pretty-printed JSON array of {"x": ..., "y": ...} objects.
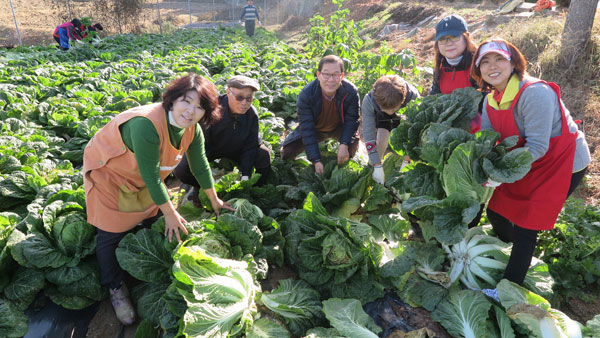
[{"x": 309, "y": 108}]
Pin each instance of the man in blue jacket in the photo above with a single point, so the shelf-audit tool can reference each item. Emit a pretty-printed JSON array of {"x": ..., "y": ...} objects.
[{"x": 327, "y": 108}]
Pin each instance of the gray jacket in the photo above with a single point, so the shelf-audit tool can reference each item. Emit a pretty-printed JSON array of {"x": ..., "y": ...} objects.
[{"x": 538, "y": 119}]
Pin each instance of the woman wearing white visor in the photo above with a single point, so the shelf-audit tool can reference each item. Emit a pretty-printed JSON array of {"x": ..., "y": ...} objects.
[{"x": 532, "y": 109}]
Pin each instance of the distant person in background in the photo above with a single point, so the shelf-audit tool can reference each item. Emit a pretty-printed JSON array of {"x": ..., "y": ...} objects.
[
  {"x": 92, "y": 31},
  {"x": 380, "y": 115},
  {"x": 92, "y": 28},
  {"x": 71, "y": 30},
  {"x": 249, "y": 15}
]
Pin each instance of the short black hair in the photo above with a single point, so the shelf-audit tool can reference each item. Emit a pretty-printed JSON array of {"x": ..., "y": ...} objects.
[
  {"x": 331, "y": 59},
  {"x": 77, "y": 23}
]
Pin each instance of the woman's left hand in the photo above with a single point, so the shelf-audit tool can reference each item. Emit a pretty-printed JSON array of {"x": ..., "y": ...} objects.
[{"x": 217, "y": 204}]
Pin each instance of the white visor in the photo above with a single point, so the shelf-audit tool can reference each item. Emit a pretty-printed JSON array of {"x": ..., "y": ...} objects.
[{"x": 493, "y": 47}]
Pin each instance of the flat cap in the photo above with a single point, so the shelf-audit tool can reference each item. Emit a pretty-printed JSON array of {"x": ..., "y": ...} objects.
[{"x": 241, "y": 81}]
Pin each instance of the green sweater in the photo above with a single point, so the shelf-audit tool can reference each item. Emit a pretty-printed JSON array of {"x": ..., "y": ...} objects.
[{"x": 141, "y": 137}]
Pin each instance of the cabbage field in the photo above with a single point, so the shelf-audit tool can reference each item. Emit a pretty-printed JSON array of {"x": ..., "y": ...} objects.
[{"x": 343, "y": 235}]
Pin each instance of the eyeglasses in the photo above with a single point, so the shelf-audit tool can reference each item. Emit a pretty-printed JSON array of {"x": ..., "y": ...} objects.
[
  {"x": 449, "y": 39},
  {"x": 241, "y": 98},
  {"x": 335, "y": 76}
]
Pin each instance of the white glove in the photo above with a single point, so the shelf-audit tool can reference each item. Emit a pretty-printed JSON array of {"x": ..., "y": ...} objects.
[
  {"x": 79, "y": 41},
  {"x": 378, "y": 174},
  {"x": 259, "y": 22},
  {"x": 244, "y": 178},
  {"x": 240, "y": 22},
  {"x": 491, "y": 184},
  {"x": 492, "y": 293}
]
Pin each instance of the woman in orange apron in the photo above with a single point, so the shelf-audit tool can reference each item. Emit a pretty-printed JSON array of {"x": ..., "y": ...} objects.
[
  {"x": 126, "y": 162},
  {"x": 533, "y": 110}
]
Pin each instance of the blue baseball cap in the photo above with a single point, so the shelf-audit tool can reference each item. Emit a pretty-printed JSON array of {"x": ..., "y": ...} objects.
[{"x": 451, "y": 25}]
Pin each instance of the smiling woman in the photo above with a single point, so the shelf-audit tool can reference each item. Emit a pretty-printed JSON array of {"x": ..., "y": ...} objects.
[
  {"x": 454, "y": 48},
  {"x": 124, "y": 168},
  {"x": 531, "y": 109}
]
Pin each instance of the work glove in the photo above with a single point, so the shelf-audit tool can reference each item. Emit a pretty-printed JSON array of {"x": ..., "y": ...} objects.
[
  {"x": 492, "y": 293},
  {"x": 259, "y": 22},
  {"x": 244, "y": 178},
  {"x": 240, "y": 22},
  {"x": 378, "y": 174},
  {"x": 491, "y": 184},
  {"x": 79, "y": 41}
]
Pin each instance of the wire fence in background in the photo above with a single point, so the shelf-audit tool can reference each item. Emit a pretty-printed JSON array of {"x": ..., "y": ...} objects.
[{"x": 141, "y": 16}]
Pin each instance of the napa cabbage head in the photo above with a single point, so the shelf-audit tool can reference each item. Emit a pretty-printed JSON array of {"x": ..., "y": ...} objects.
[
  {"x": 464, "y": 313},
  {"x": 534, "y": 313},
  {"x": 221, "y": 300}
]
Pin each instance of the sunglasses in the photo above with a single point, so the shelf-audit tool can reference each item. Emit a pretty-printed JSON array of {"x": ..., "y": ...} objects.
[{"x": 241, "y": 98}]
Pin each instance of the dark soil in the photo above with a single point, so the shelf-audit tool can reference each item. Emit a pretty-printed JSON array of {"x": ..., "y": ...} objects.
[
  {"x": 292, "y": 23},
  {"x": 105, "y": 323},
  {"x": 581, "y": 310},
  {"x": 413, "y": 14},
  {"x": 275, "y": 275},
  {"x": 419, "y": 318}
]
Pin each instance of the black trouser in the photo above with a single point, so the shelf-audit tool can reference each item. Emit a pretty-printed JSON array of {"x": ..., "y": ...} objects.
[
  {"x": 262, "y": 165},
  {"x": 111, "y": 273},
  {"x": 524, "y": 240},
  {"x": 290, "y": 150},
  {"x": 250, "y": 27}
]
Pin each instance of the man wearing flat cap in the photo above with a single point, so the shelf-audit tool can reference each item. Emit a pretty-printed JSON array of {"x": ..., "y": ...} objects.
[{"x": 236, "y": 135}]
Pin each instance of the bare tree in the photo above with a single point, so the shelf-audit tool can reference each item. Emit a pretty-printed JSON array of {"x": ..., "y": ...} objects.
[{"x": 578, "y": 29}]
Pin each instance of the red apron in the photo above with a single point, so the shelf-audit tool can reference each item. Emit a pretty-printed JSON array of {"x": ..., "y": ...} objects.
[
  {"x": 449, "y": 81},
  {"x": 454, "y": 79},
  {"x": 535, "y": 201}
]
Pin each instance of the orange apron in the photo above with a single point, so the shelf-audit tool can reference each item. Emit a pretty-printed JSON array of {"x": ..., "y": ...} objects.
[
  {"x": 116, "y": 196},
  {"x": 535, "y": 201}
]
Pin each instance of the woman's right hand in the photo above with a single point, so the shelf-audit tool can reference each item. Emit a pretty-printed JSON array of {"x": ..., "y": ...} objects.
[
  {"x": 173, "y": 221},
  {"x": 173, "y": 224}
]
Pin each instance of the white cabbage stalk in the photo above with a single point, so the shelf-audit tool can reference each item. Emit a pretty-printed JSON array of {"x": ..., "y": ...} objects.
[
  {"x": 475, "y": 259},
  {"x": 388, "y": 251}
]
